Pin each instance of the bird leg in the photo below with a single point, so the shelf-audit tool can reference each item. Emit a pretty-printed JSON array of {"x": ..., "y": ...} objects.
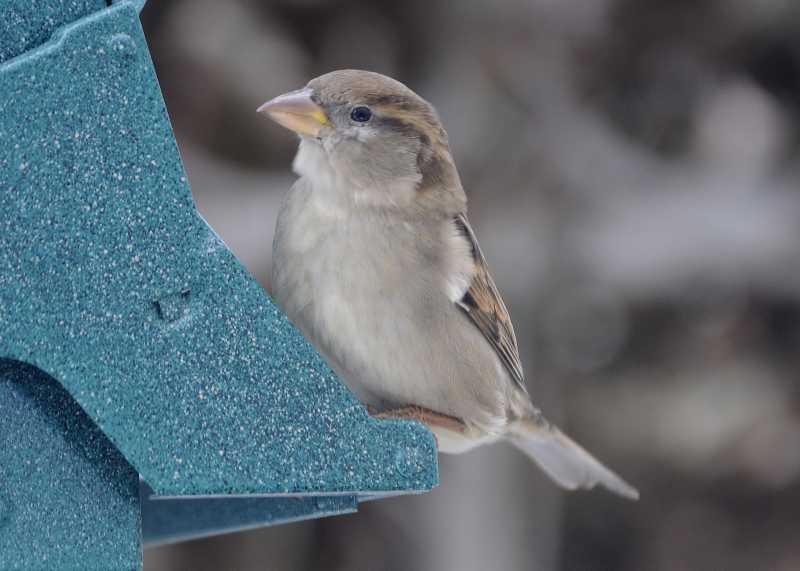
[{"x": 424, "y": 415}]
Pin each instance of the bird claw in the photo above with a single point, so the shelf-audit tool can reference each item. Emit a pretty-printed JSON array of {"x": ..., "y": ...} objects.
[{"x": 426, "y": 416}]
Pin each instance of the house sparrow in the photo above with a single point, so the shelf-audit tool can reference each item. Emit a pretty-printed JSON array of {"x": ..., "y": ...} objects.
[{"x": 376, "y": 264}]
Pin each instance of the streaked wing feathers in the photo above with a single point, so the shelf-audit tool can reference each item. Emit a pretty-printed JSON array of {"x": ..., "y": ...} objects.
[{"x": 483, "y": 304}]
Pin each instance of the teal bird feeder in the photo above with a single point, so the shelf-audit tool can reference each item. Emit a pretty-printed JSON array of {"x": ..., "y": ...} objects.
[{"x": 150, "y": 390}]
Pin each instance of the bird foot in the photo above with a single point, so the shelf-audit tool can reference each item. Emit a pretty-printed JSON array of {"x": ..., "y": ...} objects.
[{"x": 424, "y": 415}]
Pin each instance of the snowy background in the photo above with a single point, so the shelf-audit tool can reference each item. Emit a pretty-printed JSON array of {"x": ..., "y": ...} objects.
[{"x": 633, "y": 170}]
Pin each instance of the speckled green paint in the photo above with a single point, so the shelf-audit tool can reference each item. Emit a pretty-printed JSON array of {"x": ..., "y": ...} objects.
[
  {"x": 68, "y": 498},
  {"x": 26, "y": 24},
  {"x": 112, "y": 283},
  {"x": 177, "y": 519}
]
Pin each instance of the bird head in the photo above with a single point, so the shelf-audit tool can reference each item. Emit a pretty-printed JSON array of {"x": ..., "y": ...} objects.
[{"x": 368, "y": 135}]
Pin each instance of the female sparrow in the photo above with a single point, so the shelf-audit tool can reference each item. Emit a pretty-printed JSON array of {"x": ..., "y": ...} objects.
[{"x": 375, "y": 262}]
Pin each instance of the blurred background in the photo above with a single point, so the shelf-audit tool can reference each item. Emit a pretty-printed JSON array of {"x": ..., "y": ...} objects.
[{"x": 634, "y": 181}]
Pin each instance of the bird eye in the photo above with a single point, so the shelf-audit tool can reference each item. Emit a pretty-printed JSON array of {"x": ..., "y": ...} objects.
[{"x": 361, "y": 114}]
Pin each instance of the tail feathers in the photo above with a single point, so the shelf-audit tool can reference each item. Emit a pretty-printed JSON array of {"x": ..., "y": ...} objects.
[{"x": 562, "y": 459}]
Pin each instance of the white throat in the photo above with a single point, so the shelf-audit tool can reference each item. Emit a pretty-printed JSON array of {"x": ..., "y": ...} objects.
[{"x": 349, "y": 185}]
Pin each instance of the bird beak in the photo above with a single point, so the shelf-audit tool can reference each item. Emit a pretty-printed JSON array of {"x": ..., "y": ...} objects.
[{"x": 296, "y": 111}]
